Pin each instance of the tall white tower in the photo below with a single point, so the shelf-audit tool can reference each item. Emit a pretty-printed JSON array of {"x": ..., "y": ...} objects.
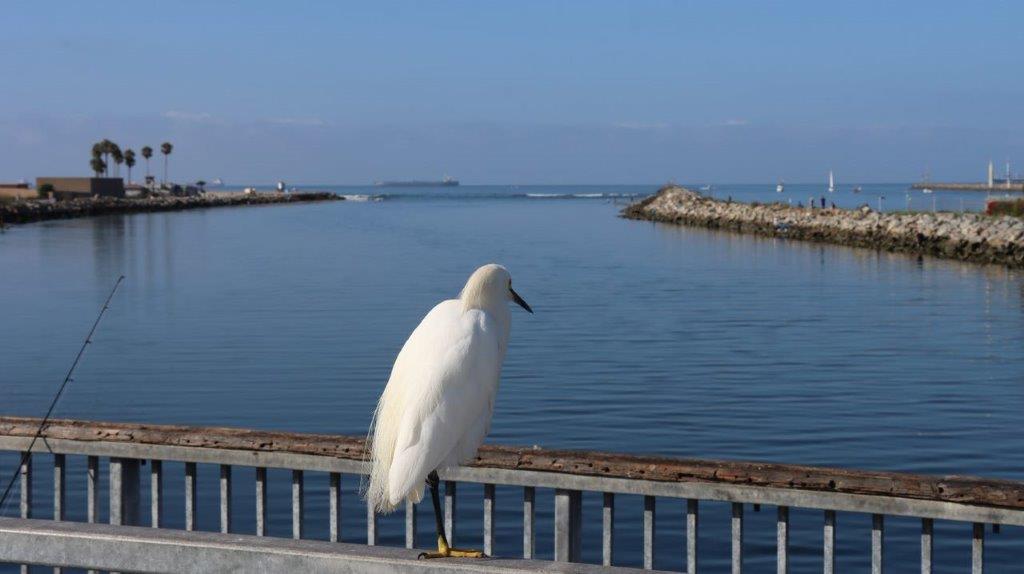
[{"x": 991, "y": 174}]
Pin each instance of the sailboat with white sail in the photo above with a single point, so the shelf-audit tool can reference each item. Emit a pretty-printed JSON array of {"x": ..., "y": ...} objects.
[{"x": 831, "y": 182}]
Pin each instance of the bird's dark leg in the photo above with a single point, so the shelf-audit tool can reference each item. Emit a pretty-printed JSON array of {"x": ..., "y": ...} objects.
[{"x": 443, "y": 550}]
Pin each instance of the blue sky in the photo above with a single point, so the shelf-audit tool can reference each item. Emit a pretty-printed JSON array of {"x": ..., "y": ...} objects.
[{"x": 517, "y": 92}]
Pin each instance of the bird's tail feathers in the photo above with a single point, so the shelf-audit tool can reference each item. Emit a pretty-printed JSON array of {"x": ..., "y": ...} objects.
[{"x": 380, "y": 446}]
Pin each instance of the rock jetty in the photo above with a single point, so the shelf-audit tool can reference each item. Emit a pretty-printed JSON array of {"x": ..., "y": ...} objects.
[
  {"x": 35, "y": 210},
  {"x": 965, "y": 236}
]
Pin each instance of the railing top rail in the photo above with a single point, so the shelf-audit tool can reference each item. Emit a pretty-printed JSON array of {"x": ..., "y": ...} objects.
[
  {"x": 1006, "y": 494},
  {"x": 142, "y": 549}
]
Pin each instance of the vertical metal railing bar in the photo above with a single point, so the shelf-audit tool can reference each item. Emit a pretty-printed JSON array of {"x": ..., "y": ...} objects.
[
  {"x": 737, "y": 538},
  {"x": 782, "y": 541},
  {"x": 156, "y": 494},
  {"x": 371, "y": 525},
  {"x": 190, "y": 496},
  {"x": 926, "y": 545},
  {"x": 116, "y": 496},
  {"x": 411, "y": 513},
  {"x": 225, "y": 498},
  {"x": 829, "y": 535},
  {"x": 567, "y": 525},
  {"x": 124, "y": 491},
  {"x": 877, "y": 543},
  {"x": 529, "y": 517},
  {"x": 59, "y": 492},
  {"x": 489, "y": 519},
  {"x": 59, "y": 487},
  {"x": 25, "y": 471},
  {"x": 298, "y": 503},
  {"x": 261, "y": 501},
  {"x": 649, "y": 520},
  {"x": 608, "y": 529},
  {"x": 334, "y": 512},
  {"x": 978, "y": 549},
  {"x": 25, "y": 494},
  {"x": 449, "y": 511},
  {"x": 692, "y": 520},
  {"x": 25, "y": 486},
  {"x": 92, "y": 491}
]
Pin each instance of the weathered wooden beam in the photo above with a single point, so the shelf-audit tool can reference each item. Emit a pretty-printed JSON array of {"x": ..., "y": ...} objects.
[{"x": 957, "y": 489}]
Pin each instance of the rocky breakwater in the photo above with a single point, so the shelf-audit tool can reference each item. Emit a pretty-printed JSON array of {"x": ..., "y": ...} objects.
[
  {"x": 37, "y": 210},
  {"x": 965, "y": 236}
]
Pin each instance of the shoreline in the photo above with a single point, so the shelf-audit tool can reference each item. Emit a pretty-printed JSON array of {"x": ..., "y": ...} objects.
[
  {"x": 968, "y": 237},
  {"x": 31, "y": 211}
]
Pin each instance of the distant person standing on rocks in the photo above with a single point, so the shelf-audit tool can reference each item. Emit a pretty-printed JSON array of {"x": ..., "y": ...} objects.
[{"x": 823, "y": 202}]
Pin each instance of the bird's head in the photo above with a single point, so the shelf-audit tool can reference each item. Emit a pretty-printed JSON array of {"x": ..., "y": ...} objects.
[{"x": 490, "y": 285}]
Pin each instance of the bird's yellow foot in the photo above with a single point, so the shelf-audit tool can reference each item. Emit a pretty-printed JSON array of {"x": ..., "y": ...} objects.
[{"x": 445, "y": 551}]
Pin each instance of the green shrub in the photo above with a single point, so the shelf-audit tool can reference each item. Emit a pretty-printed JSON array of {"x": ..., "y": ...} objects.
[{"x": 1014, "y": 207}]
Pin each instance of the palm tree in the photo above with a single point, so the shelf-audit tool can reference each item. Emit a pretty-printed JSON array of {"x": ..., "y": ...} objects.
[
  {"x": 147, "y": 152},
  {"x": 118, "y": 157},
  {"x": 166, "y": 148},
  {"x": 106, "y": 148},
  {"x": 98, "y": 165},
  {"x": 129, "y": 160}
]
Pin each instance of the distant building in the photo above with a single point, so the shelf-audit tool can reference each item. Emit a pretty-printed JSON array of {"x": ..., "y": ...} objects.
[
  {"x": 16, "y": 191},
  {"x": 75, "y": 187}
]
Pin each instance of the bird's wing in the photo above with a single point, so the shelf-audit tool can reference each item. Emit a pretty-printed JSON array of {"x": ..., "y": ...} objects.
[{"x": 449, "y": 375}]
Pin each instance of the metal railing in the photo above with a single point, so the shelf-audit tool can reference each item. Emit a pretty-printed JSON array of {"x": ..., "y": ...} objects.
[{"x": 568, "y": 473}]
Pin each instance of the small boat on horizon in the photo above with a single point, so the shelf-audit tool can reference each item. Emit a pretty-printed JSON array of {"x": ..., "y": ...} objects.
[
  {"x": 831, "y": 182},
  {"x": 926, "y": 190},
  {"x": 779, "y": 188},
  {"x": 857, "y": 189}
]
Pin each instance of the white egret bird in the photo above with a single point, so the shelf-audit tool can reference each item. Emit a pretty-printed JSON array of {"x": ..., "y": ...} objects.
[{"x": 437, "y": 406}]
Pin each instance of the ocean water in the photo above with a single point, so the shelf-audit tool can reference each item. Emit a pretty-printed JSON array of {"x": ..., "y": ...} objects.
[{"x": 647, "y": 338}]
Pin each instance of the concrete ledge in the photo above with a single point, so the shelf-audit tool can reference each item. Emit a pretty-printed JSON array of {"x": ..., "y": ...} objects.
[{"x": 139, "y": 549}]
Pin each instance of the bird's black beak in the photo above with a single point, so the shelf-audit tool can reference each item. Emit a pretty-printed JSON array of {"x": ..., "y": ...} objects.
[{"x": 519, "y": 300}]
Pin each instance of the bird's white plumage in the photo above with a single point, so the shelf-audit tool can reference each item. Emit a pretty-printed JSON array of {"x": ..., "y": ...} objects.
[{"x": 437, "y": 406}]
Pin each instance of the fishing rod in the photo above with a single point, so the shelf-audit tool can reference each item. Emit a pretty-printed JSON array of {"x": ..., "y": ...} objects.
[{"x": 53, "y": 404}]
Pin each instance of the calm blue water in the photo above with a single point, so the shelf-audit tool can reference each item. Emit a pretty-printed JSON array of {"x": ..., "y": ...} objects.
[{"x": 646, "y": 338}]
